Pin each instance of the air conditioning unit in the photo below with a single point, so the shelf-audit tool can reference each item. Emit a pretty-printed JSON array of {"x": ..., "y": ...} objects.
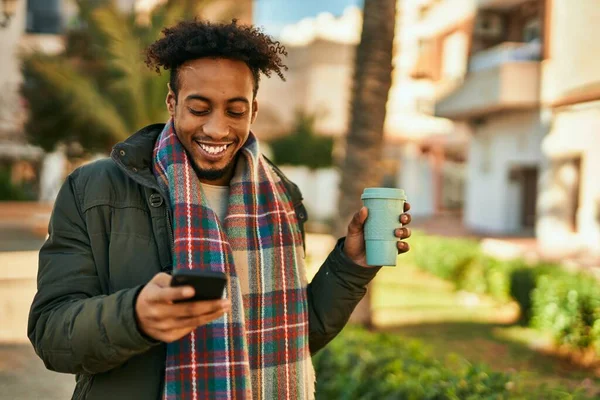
[{"x": 489, "y": 26}]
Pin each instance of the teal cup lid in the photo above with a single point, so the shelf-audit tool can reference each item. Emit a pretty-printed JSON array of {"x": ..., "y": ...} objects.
[{"x": 383, "y": 193}]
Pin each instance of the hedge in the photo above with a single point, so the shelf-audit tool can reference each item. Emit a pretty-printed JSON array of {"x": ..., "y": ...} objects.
[
  {"x": 550, "y": 298},
  {"x": 359, "y": 364}
]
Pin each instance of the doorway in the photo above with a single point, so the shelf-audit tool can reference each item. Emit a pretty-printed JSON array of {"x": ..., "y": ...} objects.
[{"x": 528, "y": 182}]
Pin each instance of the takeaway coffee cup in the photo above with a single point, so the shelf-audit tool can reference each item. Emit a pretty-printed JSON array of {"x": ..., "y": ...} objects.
[{"x": 385, "y": 206}]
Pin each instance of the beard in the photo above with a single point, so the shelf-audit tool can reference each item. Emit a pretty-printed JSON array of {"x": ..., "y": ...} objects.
[{"x": 213, "y": 174}]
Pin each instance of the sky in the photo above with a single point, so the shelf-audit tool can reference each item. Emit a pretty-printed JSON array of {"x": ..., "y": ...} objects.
[{"x": 273, "y": 15}]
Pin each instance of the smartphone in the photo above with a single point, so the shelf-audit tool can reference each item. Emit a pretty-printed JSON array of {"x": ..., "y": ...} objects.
[{"x": 207, "y": 285}]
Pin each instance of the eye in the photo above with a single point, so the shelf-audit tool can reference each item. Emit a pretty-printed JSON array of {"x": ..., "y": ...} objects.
[
  {"x": 198, "y": 112},
  {"x": 236, "y": 114}
]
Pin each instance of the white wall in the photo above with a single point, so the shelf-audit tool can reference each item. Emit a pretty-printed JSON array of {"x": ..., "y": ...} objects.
[
  {"x": 10, "y": 75},
  {"x": 574, "y": 134},
  {"x": 416, "y": 178},
  {"x": 504, "y": 141},
  {"x": 320, "y": 189},
  {"x": 574, "y": 46}
]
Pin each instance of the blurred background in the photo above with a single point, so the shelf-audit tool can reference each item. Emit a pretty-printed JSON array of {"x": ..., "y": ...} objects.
[{"x": 489, "y": 120}]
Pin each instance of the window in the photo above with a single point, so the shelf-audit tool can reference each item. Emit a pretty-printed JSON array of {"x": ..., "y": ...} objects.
[
  {"x": 44, "y": 16},
  {"x": 532, "y": 31}
]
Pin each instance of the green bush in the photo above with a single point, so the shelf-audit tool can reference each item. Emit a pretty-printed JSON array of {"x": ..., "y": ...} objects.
[
  {"x": 441, "y": 256},
  {"x": 303, "y": 146},
  {"x": 461, "y": 262},
  {"x": 366, "y": 365},
  {"x": 522, "y": 284},
  {"x": 10, "y": 192},
  {"x": 485, "y": 275},
  {"x": 550, "y": 298},
  {"x": 569, "y": 308}
]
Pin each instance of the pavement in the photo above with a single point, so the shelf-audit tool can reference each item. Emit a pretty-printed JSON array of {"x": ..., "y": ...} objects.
[{"x": 23, "y": 376}]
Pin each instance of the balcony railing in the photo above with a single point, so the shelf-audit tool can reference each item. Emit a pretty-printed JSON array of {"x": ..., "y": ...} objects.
[
  {"x": 500, "y": 4},
  {"x": 502, "y": 78},
  {"x": 504, "y": 53}
]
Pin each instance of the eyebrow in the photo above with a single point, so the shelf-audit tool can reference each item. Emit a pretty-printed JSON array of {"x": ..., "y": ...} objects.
[{"x": 207, "y": 100}]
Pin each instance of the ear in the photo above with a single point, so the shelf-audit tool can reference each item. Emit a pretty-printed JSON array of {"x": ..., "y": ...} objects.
[
  {"x": 171, "y": 101},
  {"x": 254, "y": 111}
]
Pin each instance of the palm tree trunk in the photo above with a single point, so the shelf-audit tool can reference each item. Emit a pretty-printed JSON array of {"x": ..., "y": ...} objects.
[{"x": 372, "y": 81}]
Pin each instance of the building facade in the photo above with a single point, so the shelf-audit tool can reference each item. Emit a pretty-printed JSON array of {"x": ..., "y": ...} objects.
[
  {"x": 498, "y": 96},
  {"x": 37, "y": 24},
  {"x": 531, "y": 99},
  {"x": 569, "y": 198},
  {"x": 424, "y": 154}
]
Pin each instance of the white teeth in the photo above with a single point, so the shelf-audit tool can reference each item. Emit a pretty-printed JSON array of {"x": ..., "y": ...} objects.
[{"x": 213, "y": 149}]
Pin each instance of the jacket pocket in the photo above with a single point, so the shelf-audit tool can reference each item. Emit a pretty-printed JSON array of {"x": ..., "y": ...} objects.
[{"x": 83, "y": 387}]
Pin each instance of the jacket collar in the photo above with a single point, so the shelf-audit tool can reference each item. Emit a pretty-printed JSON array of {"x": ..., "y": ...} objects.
[{"x": 134, "y": 155}]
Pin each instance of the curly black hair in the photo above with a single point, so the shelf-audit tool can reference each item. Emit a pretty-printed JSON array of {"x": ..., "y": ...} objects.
[{"x": 191, "y": 40}]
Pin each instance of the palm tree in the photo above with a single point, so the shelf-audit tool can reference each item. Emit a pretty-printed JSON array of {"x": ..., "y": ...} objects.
[
  {"x": 98, "y": 91},
  {"x": 372, "y": 81}
]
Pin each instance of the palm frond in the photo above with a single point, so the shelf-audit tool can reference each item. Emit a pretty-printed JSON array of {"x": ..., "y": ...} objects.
[
  {"x": 85, "y": 102},
  {"x": 124, "y": 56}
]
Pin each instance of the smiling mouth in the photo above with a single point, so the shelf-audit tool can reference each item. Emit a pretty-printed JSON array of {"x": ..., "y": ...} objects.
[{"x": 214, "y": 150}]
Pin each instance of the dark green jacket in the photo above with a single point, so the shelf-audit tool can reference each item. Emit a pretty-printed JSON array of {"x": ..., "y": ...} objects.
[{"x": 110, "y": 234}]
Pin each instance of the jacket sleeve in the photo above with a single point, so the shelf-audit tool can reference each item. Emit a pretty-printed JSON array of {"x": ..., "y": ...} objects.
[
  {"x": 73, "y": 326},
  {"x": 333, "y": 294}
]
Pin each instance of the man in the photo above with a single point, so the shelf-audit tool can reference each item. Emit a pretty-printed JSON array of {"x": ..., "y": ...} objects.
[{"x": 194, "y": 193}]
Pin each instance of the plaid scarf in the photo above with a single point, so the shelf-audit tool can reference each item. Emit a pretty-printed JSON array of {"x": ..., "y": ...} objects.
[{"x": 260, "y": 349}]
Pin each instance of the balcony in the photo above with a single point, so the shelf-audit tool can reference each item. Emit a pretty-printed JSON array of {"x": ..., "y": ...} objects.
[
  {"x": 499, "y": 5},
  {"x": 502, "y": 78}
]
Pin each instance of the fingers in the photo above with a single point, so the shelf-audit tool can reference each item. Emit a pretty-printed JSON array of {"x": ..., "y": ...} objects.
[
  {"x": 193, "y": 322},
  {"x": 162, "y": 280},
  {"x": 403, "y": 247},
  {"x": 189, "y": 315},
  {"x": 195, "y": 309},
  {"x": 168, "y": 295},
  {"x": 358, "y": 221},
  {"x": 405, "y": 219},
  {"x": 406, "y": 206},
  {"x": 402, "y": 233}
]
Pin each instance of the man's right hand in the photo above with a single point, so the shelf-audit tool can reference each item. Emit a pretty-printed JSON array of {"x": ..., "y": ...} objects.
[{"x": 160, "y": 318}]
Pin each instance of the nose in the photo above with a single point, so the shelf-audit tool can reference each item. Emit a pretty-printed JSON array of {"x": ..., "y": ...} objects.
[{"x": 216, "y": 128}]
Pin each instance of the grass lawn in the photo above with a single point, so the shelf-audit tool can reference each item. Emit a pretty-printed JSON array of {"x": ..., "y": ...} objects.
[{"x": 417, "y": 305}]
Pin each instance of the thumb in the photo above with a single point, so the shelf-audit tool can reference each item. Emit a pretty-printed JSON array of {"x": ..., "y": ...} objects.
[
  {"x": 162, "y": 280},
  {"x": 357, "y": 224}
]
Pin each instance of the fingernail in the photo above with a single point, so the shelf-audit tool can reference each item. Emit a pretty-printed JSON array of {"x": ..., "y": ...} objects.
[{"x": 188, "y": 292}]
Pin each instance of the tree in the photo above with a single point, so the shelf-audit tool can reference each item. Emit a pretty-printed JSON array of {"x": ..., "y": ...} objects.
[
  {"x": 98, "y": 91},
  {"x": 364, "y": 141},
  {"x": 304, "y": 146}
]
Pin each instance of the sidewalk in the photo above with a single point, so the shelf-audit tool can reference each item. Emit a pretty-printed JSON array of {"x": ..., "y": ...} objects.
[
  {"x": 24, "y": 377},
  {"x": 23, "y": 225}
]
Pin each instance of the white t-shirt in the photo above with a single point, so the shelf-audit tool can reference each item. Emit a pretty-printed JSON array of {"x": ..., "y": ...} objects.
[{"x": 217, "y": 198}]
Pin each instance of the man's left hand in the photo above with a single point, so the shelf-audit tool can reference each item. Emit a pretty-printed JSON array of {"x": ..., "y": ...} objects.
[{"x": 354, "y": 247}]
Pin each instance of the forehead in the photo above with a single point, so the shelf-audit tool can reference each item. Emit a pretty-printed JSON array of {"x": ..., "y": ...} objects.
[{"x": 216, "y": 76}]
